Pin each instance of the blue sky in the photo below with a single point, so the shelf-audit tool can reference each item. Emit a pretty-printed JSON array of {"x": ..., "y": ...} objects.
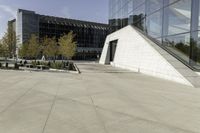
[{"x": 91, "y": 10}]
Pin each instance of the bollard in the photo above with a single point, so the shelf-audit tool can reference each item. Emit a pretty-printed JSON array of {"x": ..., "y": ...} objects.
[{"x": 6, "y": 65}]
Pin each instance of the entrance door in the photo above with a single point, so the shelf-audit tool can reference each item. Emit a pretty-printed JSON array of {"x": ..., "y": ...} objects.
[{"x": 113, "y": 46}]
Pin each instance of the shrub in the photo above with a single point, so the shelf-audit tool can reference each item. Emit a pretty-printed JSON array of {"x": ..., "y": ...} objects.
[
  {"x": 57, "y": 65},
  {"x": 34, "y": 64},
  {"x": 38, "y": 63}
]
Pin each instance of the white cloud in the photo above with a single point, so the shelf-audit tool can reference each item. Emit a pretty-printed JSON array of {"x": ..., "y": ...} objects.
[
  {"x": 11, "y": 11},
  {"x": 6, "y": 13},
  {"x": 65, "y": 12}
]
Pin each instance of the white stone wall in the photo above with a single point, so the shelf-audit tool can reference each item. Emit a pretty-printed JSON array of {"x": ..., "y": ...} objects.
[{"x": 137, "y": 54}]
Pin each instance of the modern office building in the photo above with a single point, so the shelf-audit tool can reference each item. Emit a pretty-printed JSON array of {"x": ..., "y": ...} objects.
[
  {"x": 90, "y": 36},
  {"x": 12, "y": 35},
  {"x": 155, "y": 37}
]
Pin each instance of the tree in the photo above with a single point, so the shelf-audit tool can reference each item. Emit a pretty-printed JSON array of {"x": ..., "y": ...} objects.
[
  {"x": 8, "y": 42},
  {"x": 67, "y": 45},
  {"x": 4, "y": 47},
  {"x": 23, "y": 50},
  {"x": 11, "y": 38},
  {"x": 50, "y": 47},
  {"x": 33, "y": 47},
  {"x": 1, "y": 48}
]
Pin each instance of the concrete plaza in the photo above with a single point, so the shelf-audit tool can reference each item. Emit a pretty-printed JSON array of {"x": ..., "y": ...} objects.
[{"x": 101, "y": 99}]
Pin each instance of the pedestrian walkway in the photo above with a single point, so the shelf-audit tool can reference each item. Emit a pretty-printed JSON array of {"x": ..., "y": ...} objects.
[{"x": 101, "y": 99}]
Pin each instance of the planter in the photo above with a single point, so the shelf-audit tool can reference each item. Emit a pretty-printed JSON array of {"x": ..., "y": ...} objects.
[{"x": 42, "y": 67}]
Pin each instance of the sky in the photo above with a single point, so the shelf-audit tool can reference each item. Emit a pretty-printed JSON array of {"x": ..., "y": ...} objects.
[{"x": 90, "y": 10}]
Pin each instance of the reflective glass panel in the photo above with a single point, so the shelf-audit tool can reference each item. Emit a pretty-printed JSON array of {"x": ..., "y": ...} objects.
[
  {"x": 154, "y": 24},
  {"x": 153, "y": 5},
  {"x": 137, "y": 3},
  {"x": 179, "y": 45},
  {"x": 177, "y": 17}
]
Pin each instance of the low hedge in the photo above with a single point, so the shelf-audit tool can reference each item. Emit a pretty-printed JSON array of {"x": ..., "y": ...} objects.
[{"x": 56, "y": 65}]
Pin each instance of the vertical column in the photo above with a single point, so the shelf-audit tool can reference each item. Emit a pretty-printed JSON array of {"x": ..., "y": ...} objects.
[
  {"x": 194, "y": 33},
  {"x": 165, "y": 19},
  {"x": 125, "y": 13},
  {"x": 146, "y": 23}
]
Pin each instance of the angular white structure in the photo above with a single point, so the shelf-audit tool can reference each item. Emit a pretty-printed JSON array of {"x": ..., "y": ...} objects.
[{"x": 129, "y": 49}]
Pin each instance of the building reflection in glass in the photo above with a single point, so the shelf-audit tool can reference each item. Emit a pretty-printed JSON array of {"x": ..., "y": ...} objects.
[{"x": 174, "y": 23}]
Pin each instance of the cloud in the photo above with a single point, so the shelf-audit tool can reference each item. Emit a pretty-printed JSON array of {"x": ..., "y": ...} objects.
[
  {"x": 6, "y": 13},
  {"x": 11, "y": 11},
  {"x": 65, "y": 12}
]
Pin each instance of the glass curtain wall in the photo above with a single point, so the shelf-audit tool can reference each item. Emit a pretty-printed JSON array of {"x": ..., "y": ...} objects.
[{"x": 174, "y": 23}]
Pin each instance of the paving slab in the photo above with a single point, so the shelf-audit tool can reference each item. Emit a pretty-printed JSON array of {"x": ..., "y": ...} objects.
[{"x": 101, "y": 99}]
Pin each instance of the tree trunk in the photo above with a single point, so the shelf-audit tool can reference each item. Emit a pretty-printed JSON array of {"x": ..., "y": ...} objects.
[
  {"x": 54, "y": 59},
  {"x": 35, "y": 59},
  {"x": 6, "y": 59},
  {"x": 62, "y": 58}
]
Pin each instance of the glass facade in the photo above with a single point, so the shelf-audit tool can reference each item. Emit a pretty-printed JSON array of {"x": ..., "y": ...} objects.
[
  {"x": 175, "y": 24},
  {"x": 90, "y": 36}
]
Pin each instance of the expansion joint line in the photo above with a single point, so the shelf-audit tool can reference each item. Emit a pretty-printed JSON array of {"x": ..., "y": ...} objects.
[
  {"x": 52, "y": 106},
  {"x": 20, "y": 97},
  {"x": 98, "y": 115}
]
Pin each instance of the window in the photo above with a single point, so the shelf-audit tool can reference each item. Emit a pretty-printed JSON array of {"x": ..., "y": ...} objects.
[
  {"x": 153, "y": 5},
  {"x": 154, "y": 24},
  {"x": 177, "y": 18},
  {"x": 179, "y": 45}
]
